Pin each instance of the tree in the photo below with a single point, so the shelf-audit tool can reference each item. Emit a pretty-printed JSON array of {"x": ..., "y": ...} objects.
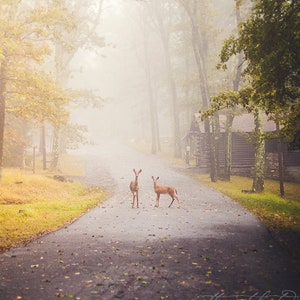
[
  {"x": 199, "y": 44},
  {"x": 23, "y": 46},
  {"x": 33, "y": 106},
  {"x": 15, "y": 142},
  {"x": 163, "y": 13},
  {"x": 75, "y": 135},
  {"x": 259, "y": 142},
  {"x": 145, "y": 26},
  {"x": 81, "y": 22},
  {"x": 270, "y": 41},
  {"x": 230, "y": 100},
  {"x": 230, "y": 114}
]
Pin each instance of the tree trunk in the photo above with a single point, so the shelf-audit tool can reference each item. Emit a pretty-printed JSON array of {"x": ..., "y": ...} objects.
[
  {"x": 198, "y": 52},
  {"x": 152, "y": 105},
  {"x": 172, "y": 86},
  {"x": 173, "y": 92},
  {"x": 2, "y": 111},
  {"x": 280, "y": 162},
  {"x": 259, "y": 167},
  {"x": 55, "y": 150},
  {"x": 24, "y": 137},
  {"x": 156, "y": 122},
  {"x": 199, "y": 58},
  {"x": 228, "y": 143},
  {"x": 214, "y": 147},
  {"x": 230, "y": 114},
  {"x": 43, "y": 145}
]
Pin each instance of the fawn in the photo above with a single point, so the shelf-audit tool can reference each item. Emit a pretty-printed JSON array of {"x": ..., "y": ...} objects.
[
  {"x": 134, "y": 187},
  {"x": 158, "y": 189}
]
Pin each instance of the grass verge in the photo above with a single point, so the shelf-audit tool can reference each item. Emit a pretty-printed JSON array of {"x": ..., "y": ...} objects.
[
  {"x": 33, "y": 204},
  {"x": 280, "y": 215}
]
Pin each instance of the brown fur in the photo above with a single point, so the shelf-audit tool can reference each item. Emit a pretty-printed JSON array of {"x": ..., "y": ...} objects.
[
  {"x": 160, "y": 189},
  {"x": 134, "y": 188}
]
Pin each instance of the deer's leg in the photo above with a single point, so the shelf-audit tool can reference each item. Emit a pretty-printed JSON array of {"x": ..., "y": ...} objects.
[
  {"x": 133, "y": 196},
  {"x": 137, "y": 199},
  {"x": 157, "y": 200},
  {"x": 176, "y": 197},
  {"x": 172, "y": 201}
]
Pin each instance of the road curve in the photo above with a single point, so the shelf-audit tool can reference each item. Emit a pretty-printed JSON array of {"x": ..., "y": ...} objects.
[{"x": 209, "y": 248}]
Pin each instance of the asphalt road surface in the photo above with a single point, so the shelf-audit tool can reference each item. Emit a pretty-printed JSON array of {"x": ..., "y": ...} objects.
[{"x": 210, "y": 248}]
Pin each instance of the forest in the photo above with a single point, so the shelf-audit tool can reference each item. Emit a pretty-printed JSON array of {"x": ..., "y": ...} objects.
[{"x": 73, "y": 73}]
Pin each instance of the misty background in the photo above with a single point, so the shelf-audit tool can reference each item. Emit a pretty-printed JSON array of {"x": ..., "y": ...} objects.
[{"x": 116, "y": 72}]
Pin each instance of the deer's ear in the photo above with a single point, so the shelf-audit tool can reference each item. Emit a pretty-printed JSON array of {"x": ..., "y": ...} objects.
[
  {"x": 157, "y": 178},
  {"x": 133, "y": 170},
  {"x": 140, "y": 171},
  {"x": 152, "y": 177}
]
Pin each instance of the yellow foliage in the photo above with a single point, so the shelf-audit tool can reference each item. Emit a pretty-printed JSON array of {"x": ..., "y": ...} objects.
[{"x": 32, "y": 204}]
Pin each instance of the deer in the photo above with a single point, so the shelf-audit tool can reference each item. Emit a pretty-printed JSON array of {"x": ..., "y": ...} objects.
[
  {"x": 159, "y": 189},
  {"x": 134, "y": 187}
]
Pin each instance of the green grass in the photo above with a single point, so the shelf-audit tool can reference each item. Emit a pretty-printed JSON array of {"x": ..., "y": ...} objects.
[
  {"x": 34, "y": 204},
  {"x": 280, "y": 215}
]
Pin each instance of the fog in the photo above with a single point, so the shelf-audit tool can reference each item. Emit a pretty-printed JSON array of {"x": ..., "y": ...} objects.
[
  {"x": 116, "y": 73},
  {"x": 106, "y": 72}
]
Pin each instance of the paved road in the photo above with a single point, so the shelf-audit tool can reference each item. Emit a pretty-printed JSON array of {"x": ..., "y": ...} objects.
[{"x": 210, "y": 246}]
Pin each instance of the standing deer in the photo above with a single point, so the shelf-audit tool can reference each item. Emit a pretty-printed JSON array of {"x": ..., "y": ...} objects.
[
  {"x": 159, "y": 189},
  {"x": 134, "y": 187}
]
